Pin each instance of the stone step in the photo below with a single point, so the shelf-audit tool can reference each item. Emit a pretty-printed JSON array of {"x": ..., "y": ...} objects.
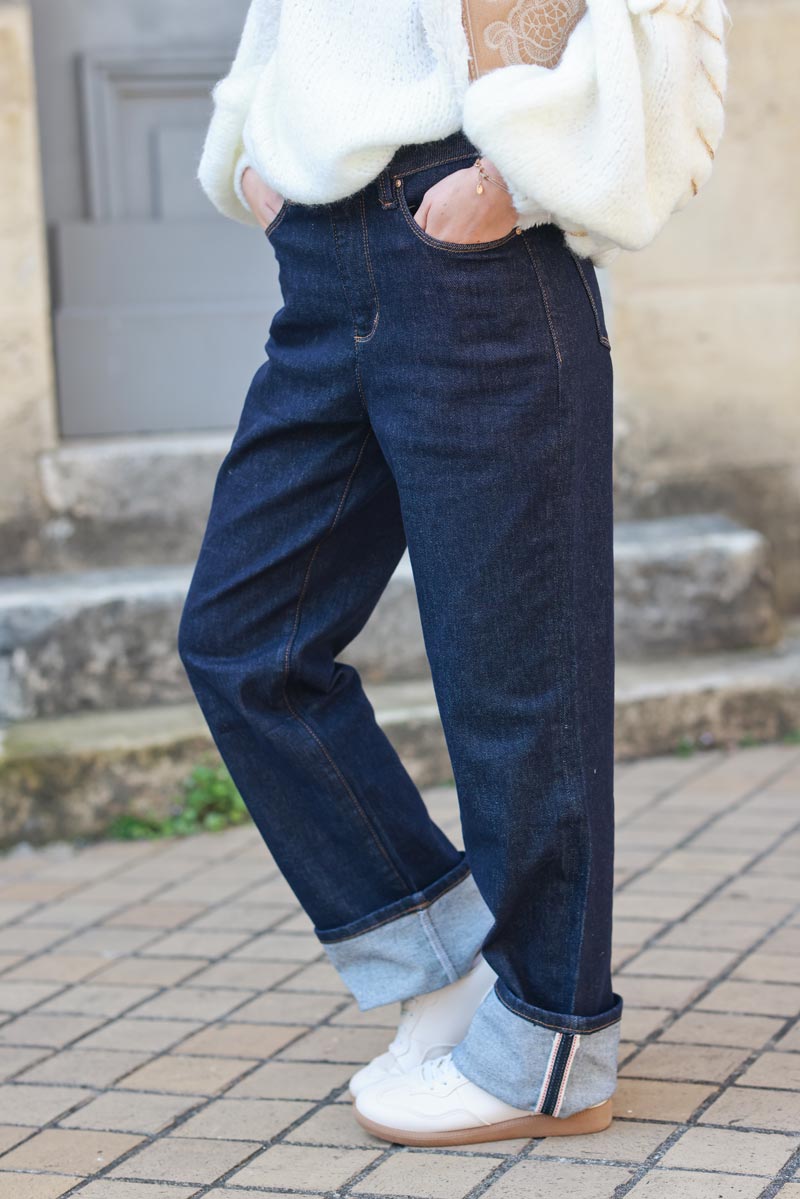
[
  {"x": 692, "y": 584},
  {"x": 106, "y": 639},
  {"x": 144, "y": 501},
  {"x": 70, "y": 776},
  {"x": 91, "y": 640}
]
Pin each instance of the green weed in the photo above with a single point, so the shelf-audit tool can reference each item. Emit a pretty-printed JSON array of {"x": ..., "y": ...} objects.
[{"x": 208, "y": 803}]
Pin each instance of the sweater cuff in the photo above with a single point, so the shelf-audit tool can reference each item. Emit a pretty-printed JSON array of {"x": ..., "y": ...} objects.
[
  {"x": 529, "y": 211},
  {"x": 242, "y": 163}
]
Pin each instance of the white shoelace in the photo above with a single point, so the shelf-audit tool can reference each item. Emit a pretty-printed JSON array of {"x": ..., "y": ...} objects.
[{"x": 440, "y": 1070}]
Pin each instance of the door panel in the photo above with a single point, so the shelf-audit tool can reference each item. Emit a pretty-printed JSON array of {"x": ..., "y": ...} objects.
[{"x": 146, "y": 275}]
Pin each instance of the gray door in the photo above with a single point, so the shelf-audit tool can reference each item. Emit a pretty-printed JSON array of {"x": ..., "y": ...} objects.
[{"x": 161, "y": 305}]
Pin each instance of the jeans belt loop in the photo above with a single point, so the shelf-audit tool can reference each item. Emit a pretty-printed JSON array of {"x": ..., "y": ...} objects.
[{"x": 386, "y": 192}]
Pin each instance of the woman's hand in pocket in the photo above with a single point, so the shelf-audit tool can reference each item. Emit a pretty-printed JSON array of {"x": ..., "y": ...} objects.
[
  {"x": 453, "y": 210},
  {"x": 264, "y": 201}
]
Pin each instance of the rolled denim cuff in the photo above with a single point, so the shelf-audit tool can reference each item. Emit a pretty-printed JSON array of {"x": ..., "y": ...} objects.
[
  {"x": 553, "y": 1064},
  {"x": 414, "y": 946}
]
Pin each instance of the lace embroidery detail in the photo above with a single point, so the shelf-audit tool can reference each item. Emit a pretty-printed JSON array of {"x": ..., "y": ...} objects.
[{"x": 535, "y": 31}]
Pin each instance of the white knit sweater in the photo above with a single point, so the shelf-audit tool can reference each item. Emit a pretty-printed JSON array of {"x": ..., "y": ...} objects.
[{"x": 607, "y": 145}]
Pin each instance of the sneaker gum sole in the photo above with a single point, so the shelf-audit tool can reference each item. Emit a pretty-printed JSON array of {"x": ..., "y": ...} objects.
[{"x": 591, "y": 1119}]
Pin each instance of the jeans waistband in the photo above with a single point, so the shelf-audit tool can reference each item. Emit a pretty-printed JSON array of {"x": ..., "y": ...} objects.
[{"x": 409, "y": 159}]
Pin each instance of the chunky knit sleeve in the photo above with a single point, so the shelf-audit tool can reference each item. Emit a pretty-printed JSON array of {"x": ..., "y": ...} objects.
[
  {"x": 621, "y": 133},
  {"x": 223, "y": 157}
]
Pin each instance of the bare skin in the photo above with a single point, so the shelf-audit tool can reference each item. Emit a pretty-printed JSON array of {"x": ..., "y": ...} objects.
[
  {"x": 451, "y": 210},
  {"x": 264, "y": 201}
]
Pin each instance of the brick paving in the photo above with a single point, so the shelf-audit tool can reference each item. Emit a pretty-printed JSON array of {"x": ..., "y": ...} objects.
[{"x": 170, "y": 1027}]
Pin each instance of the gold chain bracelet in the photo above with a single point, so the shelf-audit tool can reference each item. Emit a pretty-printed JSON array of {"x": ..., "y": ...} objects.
[{"x": 484, "y": 174}]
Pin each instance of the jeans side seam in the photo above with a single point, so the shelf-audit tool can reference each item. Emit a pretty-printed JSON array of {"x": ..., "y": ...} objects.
[
  {"x": 567, "y": 635},
  {"x": 369, "y": 824},
  {"x": 436, "y": 945},
  {"x": 567, "y": 627},
  {"x": 548, "y": 1074},
  {"x": 562, "y": 1090},
  {"x": 561, "y": 1059},
  {"x": 575, "y": 708}
]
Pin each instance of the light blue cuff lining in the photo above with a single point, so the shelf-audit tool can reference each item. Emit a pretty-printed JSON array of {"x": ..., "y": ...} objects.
[
  {"x": 550, "y": 1068},
  {"x": 420, "y": 951}
]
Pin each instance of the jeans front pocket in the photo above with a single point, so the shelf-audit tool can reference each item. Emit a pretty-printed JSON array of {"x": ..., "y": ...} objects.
[
  {"x": 276, "y": 220},
  {"x": 451, "y": 247},
  {"x": 589, "y": 279}
]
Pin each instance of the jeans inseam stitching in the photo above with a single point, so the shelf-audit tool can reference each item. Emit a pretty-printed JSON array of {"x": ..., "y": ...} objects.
[
  {"x": 586, "y": 1032},
  {"x": 287, "y": 662},
  {"x": 436, "y": 945},
  {"x": 418, "y": 907},
  {"x": 364, "y": 337}
]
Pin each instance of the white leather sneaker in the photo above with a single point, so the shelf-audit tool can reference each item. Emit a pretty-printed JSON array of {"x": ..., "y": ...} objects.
[
  {"x": 434, "y": 1104},
  {"x": 430, "y": 1025}
]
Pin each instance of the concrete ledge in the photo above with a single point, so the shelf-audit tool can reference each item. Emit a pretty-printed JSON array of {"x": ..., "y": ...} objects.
[
  {"x": 93, "y": 640},
  {"x": 69, "y": 777},
  {"x": 137, "y": 500},
  {"x": 713, "y": 699},
  {"x": 107, "y": 639},
  {"x": 692, "y": 584},
  {"x": 132, "y": 478}
]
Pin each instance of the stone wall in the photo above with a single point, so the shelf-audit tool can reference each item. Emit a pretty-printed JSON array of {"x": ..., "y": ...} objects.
[
  {"x": 706, "y": 320},
  {"x": 704, "y": 324},
  {"x": 27, "y": 418}
]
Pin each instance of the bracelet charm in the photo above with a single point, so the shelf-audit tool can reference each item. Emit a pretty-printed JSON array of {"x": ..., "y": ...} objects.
[{"x": 483, "y": 174}]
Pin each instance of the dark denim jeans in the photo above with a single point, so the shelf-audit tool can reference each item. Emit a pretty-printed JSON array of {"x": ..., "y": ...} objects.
[{"x": 458, "y": 399}]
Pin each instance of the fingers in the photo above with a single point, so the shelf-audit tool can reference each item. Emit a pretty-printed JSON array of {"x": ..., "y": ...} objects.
[
  {"x": 421, "y": 215},
  {"x": 264, "y": 201}
]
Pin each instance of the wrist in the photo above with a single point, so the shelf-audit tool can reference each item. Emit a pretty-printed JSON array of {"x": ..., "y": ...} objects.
[
  {"x": 489, "y": 177},
  {"x": 488, "y": 173},
  {"x": 490, "y": 167}
]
